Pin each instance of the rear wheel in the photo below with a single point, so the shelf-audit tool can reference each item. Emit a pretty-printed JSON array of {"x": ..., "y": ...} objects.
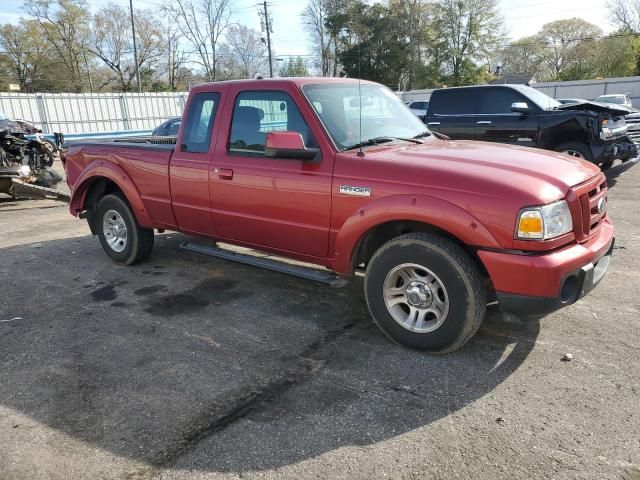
[
  {"x": 425, "y": 292},
  {"x": 606, "y": 165},
  {"x": 121, "y": 237},
  {"x": 575, "y": 149}
]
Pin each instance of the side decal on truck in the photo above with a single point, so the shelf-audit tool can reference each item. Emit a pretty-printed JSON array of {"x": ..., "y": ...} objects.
[{"x": 358, "y": 191}]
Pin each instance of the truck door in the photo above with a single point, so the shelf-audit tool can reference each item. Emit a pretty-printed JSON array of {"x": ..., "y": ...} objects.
[
  {"x": 189, "y": 167},
  {"x": 277, "y": 203},
  {"x": 495, "y": 122},
  {"x": 452, "y": 112}
]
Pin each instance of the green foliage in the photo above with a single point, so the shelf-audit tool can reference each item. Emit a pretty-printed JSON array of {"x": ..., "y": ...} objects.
[{"x": 294, "y": 67}]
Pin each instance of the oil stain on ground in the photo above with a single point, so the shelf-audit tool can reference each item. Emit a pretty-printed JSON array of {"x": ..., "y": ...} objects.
[
  {"x": 106, "y": 293},
  {"x": 150, "y": 289},
  {"x": 216, "y": 289}
]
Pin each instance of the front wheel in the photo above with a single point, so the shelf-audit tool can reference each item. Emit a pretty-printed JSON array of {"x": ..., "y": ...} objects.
[
  {"x": 575, "y": 149},
  {"x": 425, "y": 292},
  {"x": 121, "y": 237}
]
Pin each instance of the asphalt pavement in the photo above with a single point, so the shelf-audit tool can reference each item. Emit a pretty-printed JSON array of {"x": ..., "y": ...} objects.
[{"x": 188, "y": 367}]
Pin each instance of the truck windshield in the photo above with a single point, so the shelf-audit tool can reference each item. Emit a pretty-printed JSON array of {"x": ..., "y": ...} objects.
[
  {"x": 545, "y": 102},
  {"x": 341, "y": 109}
]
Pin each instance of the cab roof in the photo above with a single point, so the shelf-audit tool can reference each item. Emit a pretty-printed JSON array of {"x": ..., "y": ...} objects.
[{"x": 297, "y": 81}]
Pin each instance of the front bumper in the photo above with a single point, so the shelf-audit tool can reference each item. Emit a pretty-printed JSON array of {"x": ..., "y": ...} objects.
[
  {"x": 621, "y": 148},
  {"x": 573, "y": 287},
  {"x": 537, "y": 284}
]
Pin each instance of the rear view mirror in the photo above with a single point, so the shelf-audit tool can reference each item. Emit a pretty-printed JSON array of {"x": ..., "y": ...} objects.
[
  {"x": 289, "y": 145},
  {"x": 364, "y": 101},
  {"x": 520, "y": 107}
]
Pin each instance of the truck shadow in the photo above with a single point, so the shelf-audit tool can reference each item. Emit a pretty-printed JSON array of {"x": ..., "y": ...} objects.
[
  {"x": 613, "y": 173},
  {"x": 222, "y": 366}
]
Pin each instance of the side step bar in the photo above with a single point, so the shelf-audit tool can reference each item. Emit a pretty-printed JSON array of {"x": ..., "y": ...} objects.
[{"x": 309, "y": 273}]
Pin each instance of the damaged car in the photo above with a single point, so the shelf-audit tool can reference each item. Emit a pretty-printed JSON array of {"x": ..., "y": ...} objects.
[
  {"x": 524, "y": 116},
  {"x": 26, "y": 157}
]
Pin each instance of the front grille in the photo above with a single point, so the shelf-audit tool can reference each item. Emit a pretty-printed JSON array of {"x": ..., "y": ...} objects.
[
  {"x": 633, "y": 130},
  {"x": 586, "y": 214}
]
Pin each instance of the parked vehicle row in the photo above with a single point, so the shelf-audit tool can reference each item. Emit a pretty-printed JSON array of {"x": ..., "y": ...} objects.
[
  {"x": 339, "y": 173},
  {"x": 521, "y": 115}
]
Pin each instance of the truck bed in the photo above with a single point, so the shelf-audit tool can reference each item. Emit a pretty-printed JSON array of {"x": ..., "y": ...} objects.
[{"x": 146, "y": 142}]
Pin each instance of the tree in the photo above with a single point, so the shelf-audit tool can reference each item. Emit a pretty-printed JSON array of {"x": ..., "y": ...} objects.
[
  {"x": 523, "y": 56},
  {"x": 372, "y": 44},
  {"x": 469, "y": 30},
  {"x": 294, "y": 67},
  {"x": 112, "y": 43},
  {"x": 323, "y": 38},
  {"x": 65, "y": 26},
  {"x": 568, "y": 47},
  {"x": 243, "y": 54},
  {"x": 27, "y": 59},
  {"x": 625, "y": 14},
  {"x": 176, "y": 72},
  {"x": 617, "y": 56},
  {"x": 202, "y": 23}
]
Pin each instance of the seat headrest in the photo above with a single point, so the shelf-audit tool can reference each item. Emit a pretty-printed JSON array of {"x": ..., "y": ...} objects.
[{"x": 250, "y": 116}]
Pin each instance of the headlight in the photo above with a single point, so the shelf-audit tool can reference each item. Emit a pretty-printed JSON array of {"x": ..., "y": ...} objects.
[
  {"x": 545, "y": 222},
  {"x": 605, "y": 131}
]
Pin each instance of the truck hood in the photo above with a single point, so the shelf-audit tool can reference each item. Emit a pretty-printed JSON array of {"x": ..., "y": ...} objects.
[
  {"x": 597, "y": 107},
  {"x": 531, "y": 175}
]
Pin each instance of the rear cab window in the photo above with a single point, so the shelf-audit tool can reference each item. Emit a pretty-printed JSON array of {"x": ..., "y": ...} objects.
[
  {"x": 196, "y": 135},
  {"x": 460, "y": 101}
]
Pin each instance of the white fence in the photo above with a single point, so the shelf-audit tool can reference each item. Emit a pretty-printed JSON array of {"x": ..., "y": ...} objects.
[
  {"x": 95, "y": 112},
  {"x": 586, "y": 89}
]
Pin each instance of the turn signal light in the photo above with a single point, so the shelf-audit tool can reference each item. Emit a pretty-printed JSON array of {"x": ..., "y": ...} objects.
[{"x": 531, "y": 225}]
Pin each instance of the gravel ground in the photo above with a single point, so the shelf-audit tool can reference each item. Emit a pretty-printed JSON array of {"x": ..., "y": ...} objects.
[{"x": 187, "y": 367}]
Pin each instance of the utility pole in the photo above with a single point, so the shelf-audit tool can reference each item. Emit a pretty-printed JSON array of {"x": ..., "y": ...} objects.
[
  {"x": 267, "y": 27},
  {"x": 135, "y": 48}
]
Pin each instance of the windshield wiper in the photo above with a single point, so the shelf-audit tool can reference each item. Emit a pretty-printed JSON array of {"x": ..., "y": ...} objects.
[
  {"x": 378, "y": 140},
  {"x": 424, "y": 134}
]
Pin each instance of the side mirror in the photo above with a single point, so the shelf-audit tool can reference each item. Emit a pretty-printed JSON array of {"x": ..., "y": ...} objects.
[
  {"x": 520, "y": 107},
  {"x": 288, "y": 145}
]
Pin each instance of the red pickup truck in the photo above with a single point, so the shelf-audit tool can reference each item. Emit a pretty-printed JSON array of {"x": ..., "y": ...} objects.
[{"x": 341, "y": 174}]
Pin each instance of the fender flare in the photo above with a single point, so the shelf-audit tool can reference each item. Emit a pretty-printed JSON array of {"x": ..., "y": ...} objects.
[
  {"x": 104, "y": 169},
  {"x": 419, "y": 208}
]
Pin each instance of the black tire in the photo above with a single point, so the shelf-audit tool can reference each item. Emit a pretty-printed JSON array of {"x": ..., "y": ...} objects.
[
  {"x": 139, "y": 240},
  {"x": 606, "y": 165},
  {"x": 459, "y": 274},
  {"x": 580, "y": 149}
]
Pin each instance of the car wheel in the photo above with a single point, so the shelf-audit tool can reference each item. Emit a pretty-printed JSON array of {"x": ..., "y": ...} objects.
[
  {"x": 121, "y": 237},
  {"x": 425, "y": 292},
  {"x": 575, "y": 149},
  {"x": 606, "y": 165}
]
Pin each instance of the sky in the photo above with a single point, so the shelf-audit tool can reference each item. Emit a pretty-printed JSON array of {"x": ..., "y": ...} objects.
[{"x": 522, "y": 17}]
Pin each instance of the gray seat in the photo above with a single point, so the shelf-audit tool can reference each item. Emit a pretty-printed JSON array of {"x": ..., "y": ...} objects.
[{"x": 245, "y": 132}]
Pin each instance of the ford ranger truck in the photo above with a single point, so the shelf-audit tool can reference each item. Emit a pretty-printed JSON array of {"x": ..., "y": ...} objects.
[
  {"x": 521, "y": 115},
  {"x": 343, "y": 175}
]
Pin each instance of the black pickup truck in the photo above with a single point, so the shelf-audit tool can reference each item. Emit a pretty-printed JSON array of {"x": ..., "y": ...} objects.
[{"x": 521, "y": 115}]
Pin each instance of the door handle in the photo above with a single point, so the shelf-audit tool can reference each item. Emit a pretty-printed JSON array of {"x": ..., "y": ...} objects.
[
  {"x": 224, "y": 173},
  {"x": 484, "y": 122},
  {"x": 433, "y": 123}
]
